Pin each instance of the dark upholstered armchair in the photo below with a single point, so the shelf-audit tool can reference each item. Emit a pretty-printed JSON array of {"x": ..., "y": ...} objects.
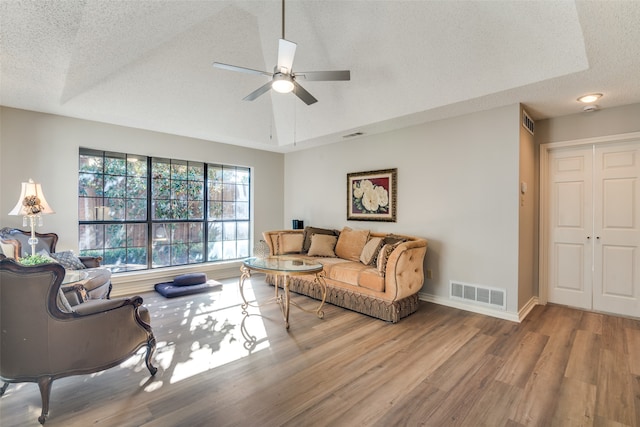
[
  {"x": 95, "y": 283},
  {"x": 42, "y": 338},
  {"x": 14, "y": 241}
]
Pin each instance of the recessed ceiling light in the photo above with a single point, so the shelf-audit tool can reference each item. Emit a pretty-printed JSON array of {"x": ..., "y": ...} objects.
[{"x": 588, "y": 99}]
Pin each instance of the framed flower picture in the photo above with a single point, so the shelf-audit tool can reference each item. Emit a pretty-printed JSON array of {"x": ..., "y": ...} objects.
[{"x": 371, "y": 196}]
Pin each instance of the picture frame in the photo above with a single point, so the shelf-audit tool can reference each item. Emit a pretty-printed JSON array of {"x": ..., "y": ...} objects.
[{"x": 372, "y": 196}]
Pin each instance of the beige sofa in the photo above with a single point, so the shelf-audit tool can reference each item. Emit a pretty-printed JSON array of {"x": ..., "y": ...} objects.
[{"x": 381, "y": 285}]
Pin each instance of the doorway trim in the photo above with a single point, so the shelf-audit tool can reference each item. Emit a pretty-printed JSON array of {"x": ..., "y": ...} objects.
[{"x": 544, "y": 195}]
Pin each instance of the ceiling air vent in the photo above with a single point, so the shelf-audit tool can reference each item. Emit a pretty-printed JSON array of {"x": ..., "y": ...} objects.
[
  {"x": 351, "y": 135},
  {"x": 528, "y": 123},
  {"x": 482, "y": 295}
]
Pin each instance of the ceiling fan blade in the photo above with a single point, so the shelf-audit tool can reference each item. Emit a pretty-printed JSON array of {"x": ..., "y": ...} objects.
[
  {"x": 286, "y": 53},
  {"x": 301, "y": 93},
  {"x": 241, "y": 69},
  {"x": 256, "y": 93},
  {"x": 325, "y": 75}
]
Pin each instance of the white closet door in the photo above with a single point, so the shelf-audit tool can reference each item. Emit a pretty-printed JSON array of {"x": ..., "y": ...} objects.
[
  {"x": 570, "y": 216},
  {"x": 616, "y": 281}
]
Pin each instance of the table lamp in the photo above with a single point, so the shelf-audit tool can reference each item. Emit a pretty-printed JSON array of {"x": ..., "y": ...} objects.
[{"x": 32, "y": 205}]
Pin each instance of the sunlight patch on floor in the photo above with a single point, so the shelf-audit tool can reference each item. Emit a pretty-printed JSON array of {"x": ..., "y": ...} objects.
[{"x": 212, "y": 333}]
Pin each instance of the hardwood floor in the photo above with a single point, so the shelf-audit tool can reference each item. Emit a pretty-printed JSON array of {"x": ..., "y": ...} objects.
[{"x": 438, "y": 367}]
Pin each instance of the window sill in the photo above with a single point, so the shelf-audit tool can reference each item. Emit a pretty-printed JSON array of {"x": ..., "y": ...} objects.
[{"x": 137, "y": 282}]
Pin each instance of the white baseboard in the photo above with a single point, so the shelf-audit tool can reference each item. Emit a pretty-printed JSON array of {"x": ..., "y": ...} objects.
[
  {"x": 134, "y": 283},
  {"x": 487, "y": 311}
]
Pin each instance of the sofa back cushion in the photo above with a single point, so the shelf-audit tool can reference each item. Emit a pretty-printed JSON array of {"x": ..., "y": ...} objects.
[
  {"x": 289, "y": 243},
  {"x": 322, "y": 245},
  {"x": 309, "y": 232},
  {"x": 350, "y": 243}
]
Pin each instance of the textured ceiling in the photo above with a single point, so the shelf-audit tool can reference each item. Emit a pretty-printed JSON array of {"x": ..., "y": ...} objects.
[{"x": 147, "y": 64}]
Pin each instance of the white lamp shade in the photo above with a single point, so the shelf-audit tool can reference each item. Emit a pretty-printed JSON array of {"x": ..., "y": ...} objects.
[{"x": 31, "y": 189}]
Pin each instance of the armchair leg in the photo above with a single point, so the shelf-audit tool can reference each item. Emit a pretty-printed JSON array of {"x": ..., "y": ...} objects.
[
  {"x": 3, "y": 388},
  {"x": 151, "y": 348},
  {"x": 45, "y": 392}
]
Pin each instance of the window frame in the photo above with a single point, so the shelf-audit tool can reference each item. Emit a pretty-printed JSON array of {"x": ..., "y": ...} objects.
[{"x": 196, "y": 235}]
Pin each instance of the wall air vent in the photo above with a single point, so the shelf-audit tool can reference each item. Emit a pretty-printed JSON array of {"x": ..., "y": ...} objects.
[
  {"x": 528, "y": 123},
  {"x": 476, "y": 294},
  {"x": 351, "y": 135}
]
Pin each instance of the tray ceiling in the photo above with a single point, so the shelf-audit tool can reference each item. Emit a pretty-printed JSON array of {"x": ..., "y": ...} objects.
[{"x": 147, "y": 64}]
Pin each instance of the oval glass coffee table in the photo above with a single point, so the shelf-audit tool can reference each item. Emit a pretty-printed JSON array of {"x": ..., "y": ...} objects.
[{"x": 283, "y": 267}]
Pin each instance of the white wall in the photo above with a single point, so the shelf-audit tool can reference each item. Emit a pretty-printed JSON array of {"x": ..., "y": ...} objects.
[
  {"x": 458, "y": 187},
  {"x": 608, "y": 121},
  {"x": 45, "y": 147}
]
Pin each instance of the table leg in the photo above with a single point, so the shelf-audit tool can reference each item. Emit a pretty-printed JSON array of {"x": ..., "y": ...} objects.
[
  {"x": 323, "y": 285},
  {"x": 246, "y": 273},
  {"x": 286, "y": 301}
]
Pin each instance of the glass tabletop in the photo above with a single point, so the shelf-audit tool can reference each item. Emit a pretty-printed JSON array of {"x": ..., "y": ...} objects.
[{"x": 283, "y": 264}]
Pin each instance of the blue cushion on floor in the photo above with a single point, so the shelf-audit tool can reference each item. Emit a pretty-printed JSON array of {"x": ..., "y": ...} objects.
[
  {"x": 190, "y": 279},
  {"x": 170, "y": 290}
]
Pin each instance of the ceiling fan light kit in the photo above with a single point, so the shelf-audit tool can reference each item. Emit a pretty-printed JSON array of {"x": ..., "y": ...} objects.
[
  {"x": 283, "y": 79},
  {"x": 282, "y": 83}
]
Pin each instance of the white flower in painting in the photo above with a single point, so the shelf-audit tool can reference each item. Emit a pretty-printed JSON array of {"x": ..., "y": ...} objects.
[
  {"x": 365, "y": 184},
  {"x": 383, "y": 195},
  {"x": 357, "y": 190},
  {"x": 370, "y": 200}
]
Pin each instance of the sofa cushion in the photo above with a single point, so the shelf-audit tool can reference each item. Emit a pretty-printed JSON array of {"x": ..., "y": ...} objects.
[
  {"x": 289, "y": 243},
  {"x": 322, "y": 245},
  {"x": 370, "y": 251},
  {"x": 371, "y": 279},
  {"x": 357, "y": 274},
  {"x": 68, "y": 260},
  {"x": 350, "y": 243},
  {"x": 309, "y": 232}
]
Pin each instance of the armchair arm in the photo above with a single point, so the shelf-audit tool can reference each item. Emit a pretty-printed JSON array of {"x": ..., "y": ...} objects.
[
  {"x": 91, "y": 261},
  {"x": 10, "y": 247},
  {"x": 75, "y": 293},
  {"x": 101, "y": 305}
]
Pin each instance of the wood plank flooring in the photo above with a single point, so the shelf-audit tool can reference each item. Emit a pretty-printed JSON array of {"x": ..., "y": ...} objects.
[{"x": 438, "y": 367}]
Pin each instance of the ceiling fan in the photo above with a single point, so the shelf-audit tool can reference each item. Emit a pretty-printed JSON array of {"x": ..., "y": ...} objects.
[{"x": 283, "y": 79}]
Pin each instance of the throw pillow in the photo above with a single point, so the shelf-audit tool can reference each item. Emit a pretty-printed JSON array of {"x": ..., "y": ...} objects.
[
  {"x": 383, "y": 257},
  {"x": 392, "y": 239},
  {"x": 322, "y": 245},
  {"x": 370, "y": 251},
  {"x": 289, "y": 243},
  {"x": 68, "y": 260},
  {"x": 309, "y": 232},
  {"x": 350, "y": 243}
]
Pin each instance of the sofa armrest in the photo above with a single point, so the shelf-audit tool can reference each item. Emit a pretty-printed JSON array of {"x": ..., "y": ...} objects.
[
  {"x": 404, "y": 275},
  {"x": 91, "y": 261}
]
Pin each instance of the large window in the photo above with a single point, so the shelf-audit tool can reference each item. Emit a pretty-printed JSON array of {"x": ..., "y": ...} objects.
[{"x": 142, "y": 212}]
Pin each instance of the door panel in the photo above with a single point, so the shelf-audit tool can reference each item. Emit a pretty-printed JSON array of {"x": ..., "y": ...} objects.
[
  {"x": 616, "y": 283},
  {"x": 570, "y": 226}
]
